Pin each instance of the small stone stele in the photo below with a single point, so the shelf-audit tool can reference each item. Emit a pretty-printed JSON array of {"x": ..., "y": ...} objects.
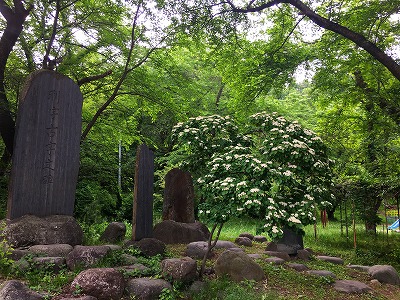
[{"x": 178, "y": 202}]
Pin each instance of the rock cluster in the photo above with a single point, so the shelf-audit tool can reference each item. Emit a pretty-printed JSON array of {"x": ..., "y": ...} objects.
[{"x": 118, "y": 282}]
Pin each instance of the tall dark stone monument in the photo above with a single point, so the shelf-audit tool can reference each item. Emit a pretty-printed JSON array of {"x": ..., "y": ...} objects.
[
  {"x": 142, "y": 221},
  {"x": 46, "y": 147},
  {"x": 178, "y": 202}
]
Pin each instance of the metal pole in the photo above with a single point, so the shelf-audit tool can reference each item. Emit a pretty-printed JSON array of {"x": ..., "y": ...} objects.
[{"x": 119, "y": 164}]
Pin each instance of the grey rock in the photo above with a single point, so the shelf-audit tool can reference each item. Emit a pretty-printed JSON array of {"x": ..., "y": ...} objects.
[
  {"x": 54, "y": 264},
  {"x": 16, "y": 290},
  {"x": 239, "y": 266},
  {"x": 149, "y": 246},
  {"x": 303, "y": 254},
  {"x": 197, "y": 250},
  {"x": 134, "y": 269},
  {"x": 102, "y": 283},
  {"x": 55, "y": 250},
  {"x": 359, "y": 268},
  {"x": 255, "y": 256},
  {"x": 275, "y": 261},
  {"x": 298, "y": 267},
  {"x": 18, "y": 253},
  {"x": 331, "y": 259},
  {"x": 385, "y": 274},
  {"x": 351, "y": 287},
  {"x": 147, "y": 288},
  {"x": 282, "y": 255},
  {"x": 196, "y": 287},
  {"x": 247, "y": 235},
  {"x": 86, "y": 256},
  {"x": 179, "y": 269},
  {"x": 31, "y": 230},
  {"x": 244, "y": 241},
  {"x": 259, "y": 239},
  {"x": 171, "y": 232},
  {"x": 114, "y": 233}
]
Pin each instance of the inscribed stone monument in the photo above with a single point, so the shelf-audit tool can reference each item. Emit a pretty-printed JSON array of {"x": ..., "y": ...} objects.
[
  {"x": 178, "y": 202},
  {"x": 142, "y": 221},
  {"x": 46, "y": 147}
]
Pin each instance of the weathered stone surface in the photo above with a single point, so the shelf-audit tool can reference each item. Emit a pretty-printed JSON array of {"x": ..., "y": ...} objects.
[
  {"x": 148, "y": 246},
  {"x": 359, "y": 268},
  {"x": 259, "y": 239},
  {"x": 225, "y": 245},
  {"x": 331, "y": 259},
  {"x": 197, "y": 250},
  {"x": 54, "y": 250},
  {"x": 142, "y": 218},
  {"x": 114, "y": 233},
  {"x": 102, "y": 283},
  {"x": 79, "y": 298},
  {"x": 180, "y": 269},
  {"x": 282, "y": 255},
  {"x": 31, "y": 230},
  {"x": 238, "y": 266},
  {"x": 303, "y": 254},
  {"x": 275, "y": 261},
  {"x": 298, "y": 267},
  {"x": 247, "y": 234},
  {"x": 244, "y": 241},
  {"x": 86, "y": 256},
  {"x": 47, "y": 143},
  {"x": 178, "y": 202},
  {"x": 171, "y": 232},
  {"x": 351, "y": 287},
  {"x": 128, "y": 259},
  {"x": 385, "y": 274},
  {"x": 322, "y": 273},
  {"x": 16, "y": 290},
  {"x": 255, "y": 256},
  {"x": 18, "y": 253},
  {"x": 54, "y": 264},
  {"x": 147, "y": 288}
]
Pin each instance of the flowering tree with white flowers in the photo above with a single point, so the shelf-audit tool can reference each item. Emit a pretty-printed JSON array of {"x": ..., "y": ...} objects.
[{"x": 279, "y": 171}]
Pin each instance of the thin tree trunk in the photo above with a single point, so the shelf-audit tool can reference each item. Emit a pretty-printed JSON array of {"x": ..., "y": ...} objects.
[
  {"x": 325, "y": 23},
  {"x": 15, "y": 18}
]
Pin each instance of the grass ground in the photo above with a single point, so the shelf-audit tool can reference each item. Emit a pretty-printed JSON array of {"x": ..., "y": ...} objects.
[
  {"x": 284, "y": 283},
  {"x": 281, "y": 282}
]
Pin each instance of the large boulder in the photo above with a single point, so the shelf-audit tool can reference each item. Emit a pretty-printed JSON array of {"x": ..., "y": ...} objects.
[
  {"x": 180, "y": 269},
  {"x": 86, "y": 256},
  {"x": 102, "y": 283},
  {"x": 239, "y": 266},
  {"x": 147, "y": 288},
  {"x": 31, "y": 230},
  {"x": 171, "y": 232},
  {"x": 115, "y": 232},
  {"x": 16, "y": 290},
  {"x": 384, "y": 274}
]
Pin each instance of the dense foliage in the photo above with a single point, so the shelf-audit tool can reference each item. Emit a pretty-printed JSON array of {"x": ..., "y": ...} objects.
[{"x": 278, "y": 171}]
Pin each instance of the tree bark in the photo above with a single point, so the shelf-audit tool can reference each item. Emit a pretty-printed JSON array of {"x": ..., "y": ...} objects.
[
  {"x": 15, "y": 18},
  {"x": 325, "y": 23}
]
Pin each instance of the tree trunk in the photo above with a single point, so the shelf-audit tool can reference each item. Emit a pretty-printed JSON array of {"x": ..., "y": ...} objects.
[
  {"x": 325, "y": 23},
  {"x": 15, "y": 18}
]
